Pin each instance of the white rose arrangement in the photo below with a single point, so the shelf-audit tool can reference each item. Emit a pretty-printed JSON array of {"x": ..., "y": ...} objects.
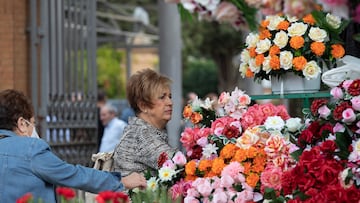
[{"x": 287, "y": 44}]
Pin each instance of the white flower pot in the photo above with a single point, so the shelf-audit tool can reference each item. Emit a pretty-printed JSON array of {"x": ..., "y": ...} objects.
[{"x": 291, "y": 83}]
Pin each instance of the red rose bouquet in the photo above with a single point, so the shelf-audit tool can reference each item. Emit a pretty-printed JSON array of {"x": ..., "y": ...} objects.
[{"x": 329, "y": 156}]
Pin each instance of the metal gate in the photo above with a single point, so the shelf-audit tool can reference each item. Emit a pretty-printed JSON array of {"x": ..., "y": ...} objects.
[{"x": 63, "y": 65}]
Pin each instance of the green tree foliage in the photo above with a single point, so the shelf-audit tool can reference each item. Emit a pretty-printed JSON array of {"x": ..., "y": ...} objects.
[
  {"x": 200, "y": 77},
  {"x": 217, "y": 42},
  {"x": 111, "y": 74}
]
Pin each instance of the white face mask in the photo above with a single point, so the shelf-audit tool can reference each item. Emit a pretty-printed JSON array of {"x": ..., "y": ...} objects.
[{"x": 34, "y": 133}]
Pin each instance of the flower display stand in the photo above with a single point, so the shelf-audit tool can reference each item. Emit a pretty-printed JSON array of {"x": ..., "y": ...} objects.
[
  {"x": 304, "y": 96},
  {"x": 291, "y": 83}
]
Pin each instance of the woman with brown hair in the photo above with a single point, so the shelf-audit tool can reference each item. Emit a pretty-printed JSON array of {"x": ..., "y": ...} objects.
[{"x": 145, "y": 138}]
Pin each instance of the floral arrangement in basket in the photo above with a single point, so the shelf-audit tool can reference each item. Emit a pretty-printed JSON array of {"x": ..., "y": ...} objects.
[{"x": 286, "y": 44}]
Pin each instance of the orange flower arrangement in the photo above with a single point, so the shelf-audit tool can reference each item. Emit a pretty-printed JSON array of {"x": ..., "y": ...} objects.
[
  {"x": 287, "y": 44},
  {"x": 253, "y": 160}
]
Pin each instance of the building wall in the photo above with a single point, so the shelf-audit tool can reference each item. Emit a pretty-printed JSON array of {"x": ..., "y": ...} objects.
[{"x": 14, "y": 54}]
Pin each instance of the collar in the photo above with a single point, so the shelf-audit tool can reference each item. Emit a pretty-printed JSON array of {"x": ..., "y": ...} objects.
[{"x": 7, "y": 133}]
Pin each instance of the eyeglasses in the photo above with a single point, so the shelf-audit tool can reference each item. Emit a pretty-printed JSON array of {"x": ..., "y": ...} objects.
[{"x": 28, "y": 122}]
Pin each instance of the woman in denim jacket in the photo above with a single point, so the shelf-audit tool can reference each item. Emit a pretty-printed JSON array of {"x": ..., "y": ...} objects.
[{"x": 27, "y": 164}]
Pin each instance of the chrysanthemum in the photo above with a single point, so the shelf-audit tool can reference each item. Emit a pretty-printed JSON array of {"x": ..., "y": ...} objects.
[
  {"x": 209, "y": 149},
  {"x": 166, "y": 174},
  {"x": 152, "y": 184}
]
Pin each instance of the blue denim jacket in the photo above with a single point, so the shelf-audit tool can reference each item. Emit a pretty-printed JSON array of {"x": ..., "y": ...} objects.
[{"x": 28, "y": 165}]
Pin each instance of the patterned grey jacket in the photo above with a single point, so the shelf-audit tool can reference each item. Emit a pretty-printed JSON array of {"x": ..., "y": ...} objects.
[{"x": 140, "y": 147}]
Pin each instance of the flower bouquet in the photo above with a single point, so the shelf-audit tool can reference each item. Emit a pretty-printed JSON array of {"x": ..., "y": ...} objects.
[
  {"x": 328, "y": 163},
  {"x": 242, "y": 170},
  {"x": 233, "y": 157},
  {"x": 286, "y": 44},
  {"x": 167, "y": 184}
]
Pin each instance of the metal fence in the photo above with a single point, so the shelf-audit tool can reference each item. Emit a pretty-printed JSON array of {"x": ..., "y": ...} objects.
[{"x": 63, "y": 64}]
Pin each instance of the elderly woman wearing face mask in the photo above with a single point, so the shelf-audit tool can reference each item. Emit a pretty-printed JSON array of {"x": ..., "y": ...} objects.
[
  {"x": 145, "y": 138},
  {"x": 27, "y": 164}
]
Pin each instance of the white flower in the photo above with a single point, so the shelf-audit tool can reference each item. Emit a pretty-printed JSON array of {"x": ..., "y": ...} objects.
[
  {"x": 291, "y": 19},
  {"x": 252, "y": 39},
  {"x": 196, "y": 104},
  {"x": 263, "y": 46},
  {"x": 166, "y": 174},
  {"x": 207, "y": 104},
  {"x": 152, "y": 184},
  {"x": 245, "y": 56},
  {"x": 317, "y": 34},
  {"x": 334, "y": 21},
  {"x": 209, "y": 149},
  {"x": 281, "y": 39},
  {"x": 209, "y": 4},
  {"x": 293, "y": 124},
  {"x": 342, "y": 176},
  {"x": 286, "y": 58},
  {"x": 253, "y": 67},
  {"x": 274, "y": 122},
  {"x": 274, "y": 21},
  {"x": 355, "y": 154},
  {"x": 236, "y": 93},
  {"x": 243, "y": 68},
  {"x": 311, "y": 70},
  {"x": 266, "y": 65},
  {"x": 188, "y": 5},
  {"x": 297, "y": 29}
]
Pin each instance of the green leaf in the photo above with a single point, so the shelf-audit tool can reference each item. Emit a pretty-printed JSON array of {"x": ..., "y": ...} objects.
[
  {"x": 301, "y": 195},
  {"x": 248, "y": 12},
  {"x": 296, "y": 154},
  {"x": 356, "y": 37},
  {"x": 184, "y": 14},
  {"x": 269, "y": 193},
  {"x": 343, "y": 140}
]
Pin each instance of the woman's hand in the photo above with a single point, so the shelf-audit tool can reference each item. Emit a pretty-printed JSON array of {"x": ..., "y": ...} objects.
[{"x": 134, "y": 180}]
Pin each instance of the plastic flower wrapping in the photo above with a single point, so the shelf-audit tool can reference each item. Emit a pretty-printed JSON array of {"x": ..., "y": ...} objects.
[{"x": 285, "y": 44}]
